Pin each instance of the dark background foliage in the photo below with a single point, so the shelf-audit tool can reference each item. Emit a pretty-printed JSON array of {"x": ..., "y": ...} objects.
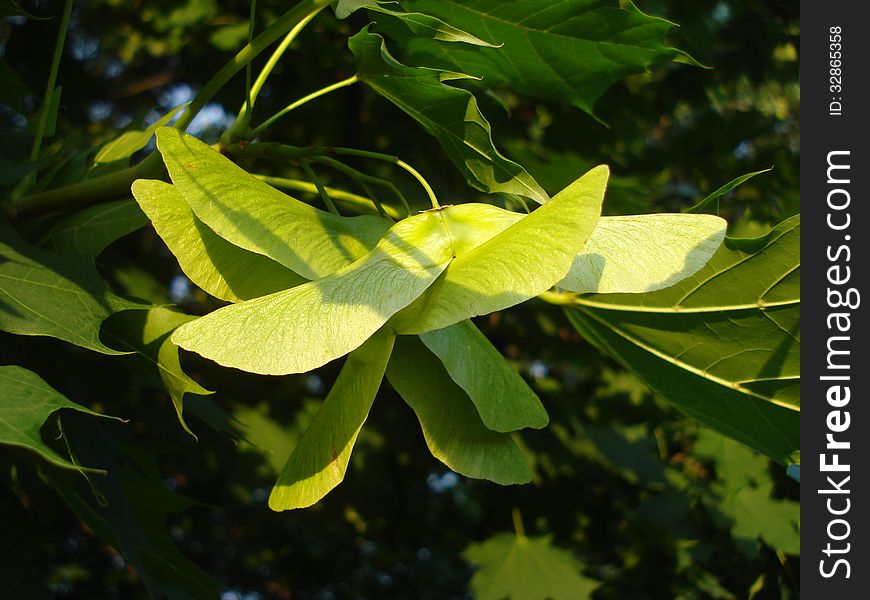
[{"x": 621, "y": 478}]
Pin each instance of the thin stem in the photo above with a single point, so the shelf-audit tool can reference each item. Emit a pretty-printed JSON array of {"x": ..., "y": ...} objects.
[
  {"x": 244, "y": 56},
  {"x": 52, "y": 80},
  {"x": 349, "y": 198},
  {"x": 396, "y": 161},
  {"x": 277, "y": 54},
  {"x": 244, "y": 119},
  {"x": 324, "y": 195},
  {"x": 305, "y": 99},
  {"x": 323, "y": 153},
  {"x": 84, "y": 193},
  {"x": 248, "y": 66},
  {"x": 518, "y": 523},
  {"x": 362, "y": 179},
  {"x": 422, "y": 181}
]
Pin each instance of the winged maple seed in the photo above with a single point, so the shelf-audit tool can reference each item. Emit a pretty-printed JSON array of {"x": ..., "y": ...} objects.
[{"x": 350, "y": 285}]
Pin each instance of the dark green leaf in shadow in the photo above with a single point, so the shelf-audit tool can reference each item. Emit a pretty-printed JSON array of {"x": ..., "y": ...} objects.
[
  {"x": 448, "y": 113},
  {"x": 88, "y": 232},
  {"x": 128, "y": 508},
  {"x": 418, "y": 24},
  {"x": 146, "y": 333},
  {"x": 51, "y": 294},
  {"x": 569, "y": 51},
  {"x": 26, "y": 402}
]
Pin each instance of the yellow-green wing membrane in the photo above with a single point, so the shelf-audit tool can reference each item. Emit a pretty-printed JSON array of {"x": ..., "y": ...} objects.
[
  {"x": 255, "y": 216},
  {"x": 452, "y": 428},
  {"x": 218, "y": 267},
  {"x": 519, "y": 263},
  {"x": 319, "y": 461},
  {"x": 644, "y": 253},
  {"x": 503, "y": 400},
  {"x": 302, "y": 328}
]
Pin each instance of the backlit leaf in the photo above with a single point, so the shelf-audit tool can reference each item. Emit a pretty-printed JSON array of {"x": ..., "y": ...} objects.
[
  {"x": 644, "y": 253},
  {"x": 526, "y": 568},
  {"x": 519, "y": 263},
  {"x": 319, "y": 462},
  {"x": 448, "y": 113},
  {"x": 129, "y": 142},
  {"x": 252, "y": 215},
  {"x": 302, "y": 328},
  {"x": 451, "y": 426},
  {"x": 723, "y": 345},
  {"x": 215, "y": 265}
]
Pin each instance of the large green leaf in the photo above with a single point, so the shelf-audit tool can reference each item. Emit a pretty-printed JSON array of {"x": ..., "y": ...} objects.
[
  {"x": 644, "y": 253},
  {"x": 519, "y": 263},
  {"x": 146, "y": 333},
  {"x": 89, "y": 231},
  {"x": 452, "y": 428},
  {"x": 26, "y": 401},
  {"x": 503, "y": 400},
  {"x": 568, "y": 51},
  {"x": 215, "y": 265},
  {"x": 319, "y": 462},
  {"x": 252, "y": 215},
  {"x": 307, "y": 326},
  {"x": 526, "y": 568},
  {"x": 51, "y": 294},
  {"x": 418, "y": 24},
  {"x": 448, "y": 113},
  {"x": 723, "y": 345}
]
